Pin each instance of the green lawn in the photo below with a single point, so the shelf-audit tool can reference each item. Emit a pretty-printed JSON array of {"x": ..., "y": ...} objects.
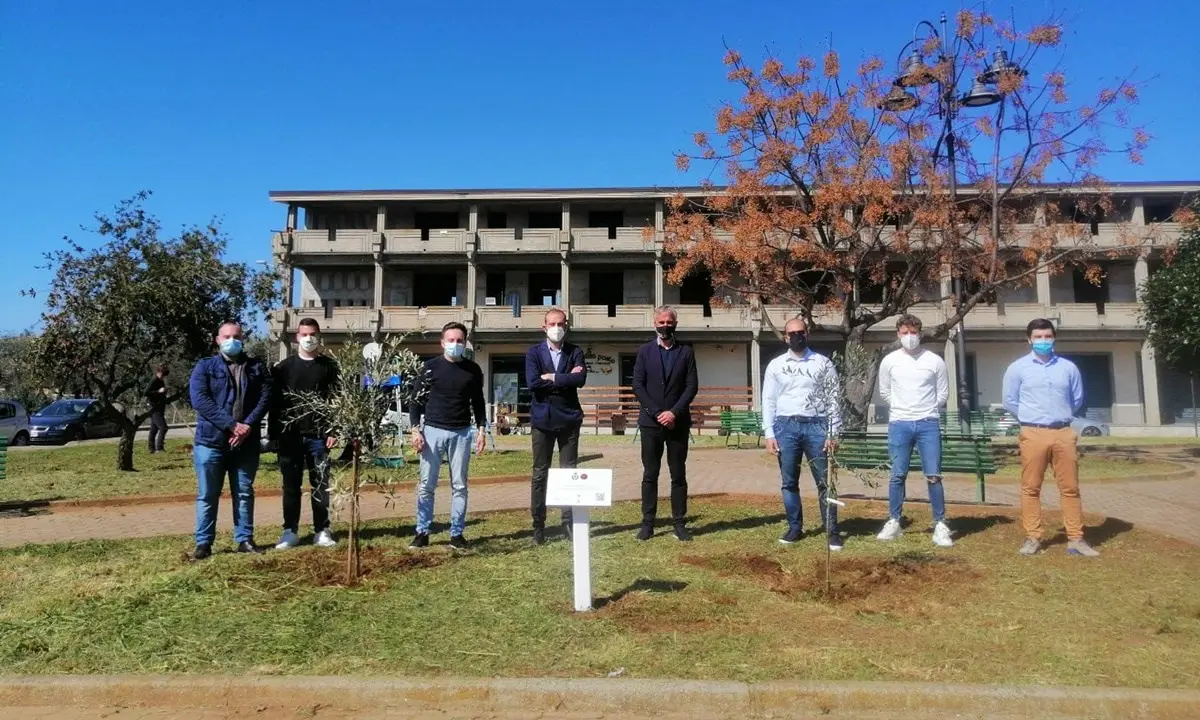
[
  {"x": 88, "y": 471},
  {"x": 733, "y": 605}
]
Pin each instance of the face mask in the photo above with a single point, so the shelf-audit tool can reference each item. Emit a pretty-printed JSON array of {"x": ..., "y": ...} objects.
[
  {"x": 797, "y": 342},
  {"x": 556, "y": 334},
  {"x": 910, "y": 342},
  {"x": 666, "y": 332},
  {"x": 308, "y": 343},
  {"x": 454, "y": 351},
  {"x": 231, "y": 347},
  {"x": 1043, "y": 347}
]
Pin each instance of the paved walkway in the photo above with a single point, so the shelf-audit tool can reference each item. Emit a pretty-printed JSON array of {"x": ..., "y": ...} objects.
[{"x": 1171, "y": 507}]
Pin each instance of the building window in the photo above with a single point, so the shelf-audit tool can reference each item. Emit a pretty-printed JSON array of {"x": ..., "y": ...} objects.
[
  {"x": 611, "y": 219},
  {"x": 497, "y": 220},
  {"x": 542, "y": 219}
]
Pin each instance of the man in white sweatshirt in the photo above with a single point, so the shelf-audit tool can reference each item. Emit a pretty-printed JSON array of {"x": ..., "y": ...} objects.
[{"x": 914, "y": 384}]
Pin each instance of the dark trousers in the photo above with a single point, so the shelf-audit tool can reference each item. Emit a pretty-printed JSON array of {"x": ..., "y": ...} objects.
[
  {"x": 543, "y": 450},
  {"x": 158, "y": 430},
  {"x": 296, "y": 454},
  {"x": 675, "y": 442}
]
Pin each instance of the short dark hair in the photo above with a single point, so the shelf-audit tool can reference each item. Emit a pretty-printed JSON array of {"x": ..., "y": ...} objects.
[
  {"x": 162, "y": 369},
  {"x": 310, "y": 322},
  {"x": 911, "y": 321},
  {"x": 1039, "y": 324},
  {"x": 454, "y": 326}
]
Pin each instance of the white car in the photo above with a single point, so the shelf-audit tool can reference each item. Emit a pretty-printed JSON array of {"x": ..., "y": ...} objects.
[{"x": 14, "y": 423}]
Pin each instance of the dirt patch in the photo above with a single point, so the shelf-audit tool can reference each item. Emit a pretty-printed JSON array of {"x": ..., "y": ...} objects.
[
  {"x": 909, "y": 581},
  {"x": 324, "y": 569}
]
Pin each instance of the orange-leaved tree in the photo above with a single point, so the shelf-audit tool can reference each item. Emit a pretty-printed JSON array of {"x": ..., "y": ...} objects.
[{"x": 840, "y": 205}]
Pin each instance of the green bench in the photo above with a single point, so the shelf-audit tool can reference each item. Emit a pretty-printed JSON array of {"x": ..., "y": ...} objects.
[
  {"x": 3, "y": 455},
  {"x": 960, "y": 453},
  {"x": 739, "y": 423},
  {"x": 979, "y": 422}
]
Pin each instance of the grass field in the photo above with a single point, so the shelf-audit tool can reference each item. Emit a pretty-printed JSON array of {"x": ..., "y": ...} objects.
[
  {"x": 734, "y": 604},
  {"x": 87, "y": 471}
]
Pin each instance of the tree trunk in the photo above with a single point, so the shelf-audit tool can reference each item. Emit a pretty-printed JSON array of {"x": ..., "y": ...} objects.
[
  {"x": 352, "y": 557},
  {"x": 125, "y": 447},
  {"x": 859, "y": 372}
]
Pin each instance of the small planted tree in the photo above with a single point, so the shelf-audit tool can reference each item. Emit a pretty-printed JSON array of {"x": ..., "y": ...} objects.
[{"x": 372, "y": 378}]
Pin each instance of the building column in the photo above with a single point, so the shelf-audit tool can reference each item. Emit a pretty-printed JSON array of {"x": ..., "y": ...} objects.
[
  {"x": 291, "y": 216},
  {"x": 756, "y": 369},
  {"x": 565, "y": 283},
  {"x": 1043, "y": 286},
  {"x": 1141, "y": 273},
  {"x": 472, "y": 268},
  {"x": 658, "y": 279},
  {"x": 377, "y": 249},
  {"x": 951, "y": 357},
  {"x": 566, "y": 222},
  {"x": 1151, "y": 409}
]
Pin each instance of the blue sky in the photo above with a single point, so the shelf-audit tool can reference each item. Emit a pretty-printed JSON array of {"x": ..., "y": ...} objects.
[{"x": 213, "y": 104}]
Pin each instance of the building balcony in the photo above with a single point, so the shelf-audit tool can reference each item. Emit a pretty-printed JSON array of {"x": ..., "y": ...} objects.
[
  {"x": 338, "y": 320},
  {"x": 425, "y": 242},
  {"x": 731, "y": 317},
  {"x": 515, "y": 240},
  {"x": 627, "y": 317},
  {"x": 500, "y": 317},
  {"x": 333, "y": 242},
  {"x": 417, "y": 319},
  {"x": 598, "y": 240}
]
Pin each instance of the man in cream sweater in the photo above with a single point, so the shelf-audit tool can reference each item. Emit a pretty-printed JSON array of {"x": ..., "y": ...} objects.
[{"x": 914, "y": 384}]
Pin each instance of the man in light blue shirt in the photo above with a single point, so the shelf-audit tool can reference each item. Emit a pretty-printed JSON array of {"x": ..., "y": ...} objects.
[{"x": 1044, "y": 391}]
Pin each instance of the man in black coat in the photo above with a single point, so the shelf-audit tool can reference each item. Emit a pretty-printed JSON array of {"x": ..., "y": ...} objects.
[{"x": 665, "y": 382}]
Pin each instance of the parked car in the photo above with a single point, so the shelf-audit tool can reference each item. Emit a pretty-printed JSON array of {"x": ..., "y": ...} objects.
[
  {"x": 71, "y": 419},
  {"x": 1084, "y": 427},
  {"x": 14, "y": 422}
]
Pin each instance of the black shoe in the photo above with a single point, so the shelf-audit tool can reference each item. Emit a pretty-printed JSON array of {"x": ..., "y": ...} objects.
[
  {"x": 646, "y": 532},
  {"x": 420, "y": 540},
  {"x": 202, "y": 552},
  {"x": 791, "y": 536},
  {"x": 539, "y": 536},
  {"x": 248, "y": 546},
  {"x": 568, "y": 531},
  {"x": 458, "y": 542},
  {"x": 681, "y": 533}
]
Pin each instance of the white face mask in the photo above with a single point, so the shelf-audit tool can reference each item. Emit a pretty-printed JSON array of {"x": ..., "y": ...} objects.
[
  {"x": 556, "y": 334},
  {"x": 910, "y": 342},
  {"x": 308, "y": 343},
  {"x": 453, "y": 350}
]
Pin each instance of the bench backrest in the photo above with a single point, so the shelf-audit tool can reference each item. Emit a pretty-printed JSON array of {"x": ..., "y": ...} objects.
[
  {"x": 3, "y": 456},
  {"x": 960, "y": 453},
  {"x": 743, "y": 421}
]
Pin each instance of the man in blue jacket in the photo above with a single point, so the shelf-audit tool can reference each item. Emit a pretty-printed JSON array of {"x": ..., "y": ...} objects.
[
  {"x": 229, "y": 392},
  {"x": 665, "y": 382},
  {"x": 554, "y": 370}
]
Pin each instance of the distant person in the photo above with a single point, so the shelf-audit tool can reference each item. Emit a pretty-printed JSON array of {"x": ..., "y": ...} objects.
[
  {"x": 229, "y": 392},
  {"x": 802, "y": 417},
  {"x": 441, "y": 423},
  {"x": 555, "y": 370},
  {"x": 1044, "y": 391},
  {"x": 665, "y": 382},
  {"x": 156, "y": 398},
  {"x": 914, "y": 384},
  {"x": 300, "y": 443}
]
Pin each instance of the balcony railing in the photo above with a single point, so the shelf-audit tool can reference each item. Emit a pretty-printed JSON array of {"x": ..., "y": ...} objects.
[
  {"x": 626, "y": 317},
  {"x": 338, "y": 319},
  {"x": 409, "y": 241},
  {"x": 333, "y": 242},
  {"x": 538, "y": 240},
  {"x": 428, "y": 319},
  {"x": 732, "y": 317},
  {"x": 500, "y": 317},
  {"x": 626, "y": 239}
]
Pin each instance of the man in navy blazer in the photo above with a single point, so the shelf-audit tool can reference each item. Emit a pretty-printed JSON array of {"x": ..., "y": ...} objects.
[
  {"x": 665, "y": 382},
  {"x": 554, "y": 371}
]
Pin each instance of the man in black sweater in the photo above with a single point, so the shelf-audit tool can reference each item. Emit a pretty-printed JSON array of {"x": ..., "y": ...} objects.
[
  {"x": 156, "y": 398},
  {"x": 299, "y": 443},
  {"x": 452, "y": 405}
]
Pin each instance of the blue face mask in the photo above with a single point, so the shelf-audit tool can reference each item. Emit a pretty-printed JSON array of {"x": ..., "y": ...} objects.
[
  {"x": 454, "y": 350},
  {"x": 231, "y": 346},
  {"x": 1043, "y": 347}
]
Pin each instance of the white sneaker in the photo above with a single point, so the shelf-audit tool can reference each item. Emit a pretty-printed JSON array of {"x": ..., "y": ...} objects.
[
  {"x": 287, "y": 540},
  {"x": 324, "y": 539},
  {"x": 891, "y": 530},
  {"x": 941, "y": 535}
]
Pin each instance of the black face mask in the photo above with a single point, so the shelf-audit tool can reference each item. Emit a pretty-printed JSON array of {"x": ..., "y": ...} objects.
[
  {"x": 797, "y": 341},
  {"x": 666, "y": 332}
]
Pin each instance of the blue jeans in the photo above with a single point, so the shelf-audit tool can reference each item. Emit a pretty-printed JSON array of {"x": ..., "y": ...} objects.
[
  {"x": 799, "y": 437},
  {"x": 212, "y": 465},
  {"x": 456, "y": 444},
  {"x": 926, "y": 436}
]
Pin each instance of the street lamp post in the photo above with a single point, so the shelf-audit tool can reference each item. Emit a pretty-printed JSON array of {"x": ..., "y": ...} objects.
[{"x": 915, "y": 73}]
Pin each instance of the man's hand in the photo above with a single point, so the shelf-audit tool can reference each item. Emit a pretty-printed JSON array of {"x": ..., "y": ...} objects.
[
  {"x": 330, "y": 442},
  {"x": 666, "y": 418},
  {"x": 577, "y": 369},
  {"x": 163, "y": 390},
  {"x": 241, "y": 430},
  {"x": 417, "y": 440},
  {"x": 831, "y": 444},
  {"x": 548, "y": 377},
  {"x": 773, "y": 446},
  {"x": 480, "y": 440}
]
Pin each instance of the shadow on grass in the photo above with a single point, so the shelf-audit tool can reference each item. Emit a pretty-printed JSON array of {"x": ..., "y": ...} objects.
[
  {"x": 407, "y": 528},
  {"x": 641, "y": 585},
  {"x": 26, "y": 508},
  {"x": 749, "y": 523},
  {"x": 1096, "y": 535}
]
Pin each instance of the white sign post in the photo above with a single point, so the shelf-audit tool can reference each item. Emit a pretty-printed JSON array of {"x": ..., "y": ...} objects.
[{"x": 580, "y": 489}]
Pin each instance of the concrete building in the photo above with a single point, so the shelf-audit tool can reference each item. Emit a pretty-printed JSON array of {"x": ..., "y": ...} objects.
[{"x": 366, "y": 263}]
